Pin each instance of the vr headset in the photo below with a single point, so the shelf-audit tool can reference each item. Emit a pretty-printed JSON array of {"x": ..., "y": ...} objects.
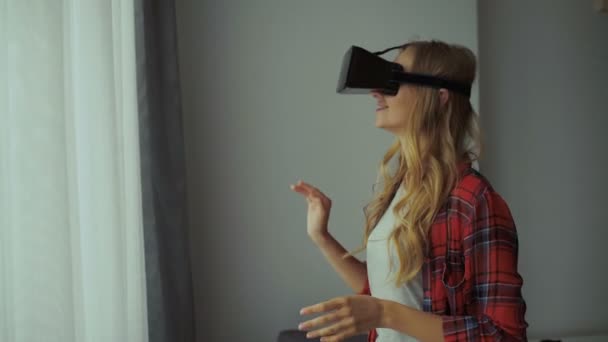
[{"x": 363, "y": 71}]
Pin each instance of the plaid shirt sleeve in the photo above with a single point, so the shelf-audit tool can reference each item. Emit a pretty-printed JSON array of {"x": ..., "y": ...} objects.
[
  {"x": 496, "y": 309},
  {"x": 365, "y": 290}
]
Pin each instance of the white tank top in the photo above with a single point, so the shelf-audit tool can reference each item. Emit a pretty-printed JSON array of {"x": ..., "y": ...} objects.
[{"x": 381, "y": 281}]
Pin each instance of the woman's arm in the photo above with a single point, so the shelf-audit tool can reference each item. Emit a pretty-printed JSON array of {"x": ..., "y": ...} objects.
[
  {"x": 423, "y": 326},
  {"x": 351, "y": 270}
]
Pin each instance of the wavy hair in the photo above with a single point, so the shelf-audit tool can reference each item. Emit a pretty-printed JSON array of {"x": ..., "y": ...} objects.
[{"x": 435, "y": 140}]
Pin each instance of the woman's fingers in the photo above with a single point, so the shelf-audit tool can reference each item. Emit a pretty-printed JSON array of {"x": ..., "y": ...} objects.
[
  {"x": 340, "y": 327},
  {"x": 306, "y": 189},
  {"x": 327, "y": 318},
  {"x": 314, "y": 191},
  {"x": 299, "y": 188}
]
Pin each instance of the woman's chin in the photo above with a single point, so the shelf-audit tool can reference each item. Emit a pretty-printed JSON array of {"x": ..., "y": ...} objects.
[
  {"x": 380, "y": 123},
  {"x": 384, "y": 126}
]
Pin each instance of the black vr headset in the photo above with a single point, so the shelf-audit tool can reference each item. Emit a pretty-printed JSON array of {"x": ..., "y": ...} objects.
[{"x": 363, "y": 71}]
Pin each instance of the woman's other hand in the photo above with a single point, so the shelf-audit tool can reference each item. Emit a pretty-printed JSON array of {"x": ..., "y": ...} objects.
[{"x": 346, "y": 316}]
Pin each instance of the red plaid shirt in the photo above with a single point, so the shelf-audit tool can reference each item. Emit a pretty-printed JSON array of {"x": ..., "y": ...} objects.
[{"x": 470, "y": 274}]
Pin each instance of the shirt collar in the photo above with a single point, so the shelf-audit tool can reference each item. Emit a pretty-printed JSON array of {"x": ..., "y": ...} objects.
[{"x": 463, "y": 166}]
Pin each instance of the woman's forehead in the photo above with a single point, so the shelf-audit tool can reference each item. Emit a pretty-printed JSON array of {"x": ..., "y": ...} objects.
[{"x": 405, "y": 58}]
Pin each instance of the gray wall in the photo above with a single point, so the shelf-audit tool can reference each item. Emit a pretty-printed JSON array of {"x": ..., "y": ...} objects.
[
  {"x": 543, "y": 95},
  {"x": 261, "y": 112}
]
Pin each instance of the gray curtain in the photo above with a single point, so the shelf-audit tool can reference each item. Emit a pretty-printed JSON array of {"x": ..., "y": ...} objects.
[{"x": 168, "y": 275}]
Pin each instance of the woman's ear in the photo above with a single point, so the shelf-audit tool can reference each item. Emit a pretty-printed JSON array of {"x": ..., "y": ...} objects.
[{"x": 444, "y": 96}]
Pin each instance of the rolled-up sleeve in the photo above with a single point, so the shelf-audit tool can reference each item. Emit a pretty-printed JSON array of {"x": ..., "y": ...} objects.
[
  {"x": 365, "y": 290},
  {"x": 496, "y": 310}
]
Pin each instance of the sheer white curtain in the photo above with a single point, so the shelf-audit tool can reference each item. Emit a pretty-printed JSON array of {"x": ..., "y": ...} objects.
[{"x": 71, "y": 250}]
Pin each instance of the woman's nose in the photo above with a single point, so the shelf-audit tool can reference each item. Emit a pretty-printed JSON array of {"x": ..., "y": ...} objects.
[{"x": 376, "y": 94}]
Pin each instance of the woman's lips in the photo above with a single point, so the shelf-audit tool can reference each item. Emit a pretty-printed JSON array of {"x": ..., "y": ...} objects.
[{"x": 380, "y": 108}]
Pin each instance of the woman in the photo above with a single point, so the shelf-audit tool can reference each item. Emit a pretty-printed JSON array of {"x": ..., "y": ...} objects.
[{"x": 441, "y": 243}]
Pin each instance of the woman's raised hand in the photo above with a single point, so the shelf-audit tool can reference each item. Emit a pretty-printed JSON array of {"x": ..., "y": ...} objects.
[{"x": 319, "y": 207}]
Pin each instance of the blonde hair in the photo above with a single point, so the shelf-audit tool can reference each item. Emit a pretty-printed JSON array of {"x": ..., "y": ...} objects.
[{"x": 435, "y": 141}]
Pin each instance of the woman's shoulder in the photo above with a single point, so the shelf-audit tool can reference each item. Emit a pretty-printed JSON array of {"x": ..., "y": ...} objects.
[
  {"x": 471, "y": 184},
  {"x": 474, "y": 190}
]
